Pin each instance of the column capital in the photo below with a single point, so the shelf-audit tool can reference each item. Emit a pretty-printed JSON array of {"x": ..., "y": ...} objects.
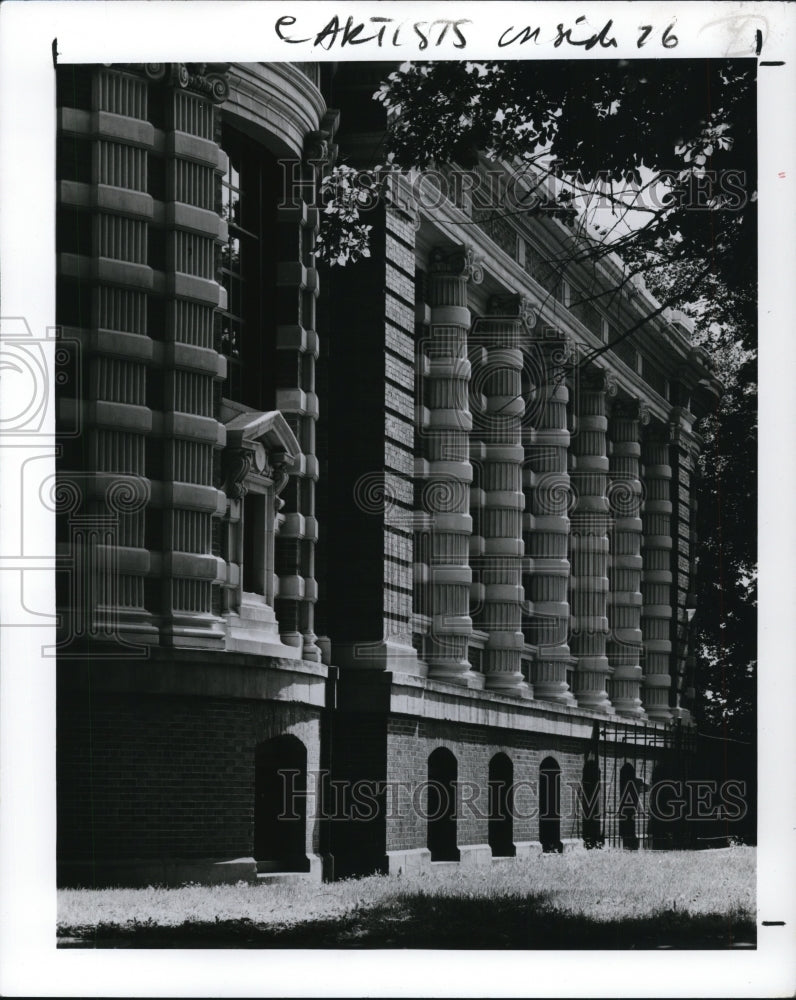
[
  {"x": 513, "y": 305},
  {"x": 631, "y": 409},
  {"x": 556, "y": 344},
  {"x": 459, "y": 261},
  {"x": 595, "y": 379},
  {"x": 210, "y": 80}
]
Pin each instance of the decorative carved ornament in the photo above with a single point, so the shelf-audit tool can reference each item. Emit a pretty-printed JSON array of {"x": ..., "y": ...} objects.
[
  {"x": 632, "y": 409},
  {"x": 599, "y": 380},
  {"x": 514, "y": 305},
  {"x": 319, "y": 149},
  {"x": 209, "y": 79},
  {"x": 260, "y": 443},
  {"x": 459, "y": 261},
  {"x": 236, "y": 466},
  {"x": 316, "y": 147}
]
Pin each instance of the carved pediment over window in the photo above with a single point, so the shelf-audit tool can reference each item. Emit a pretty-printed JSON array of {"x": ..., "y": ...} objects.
[
  {"x": 260, "y": 450},
  {"x": 260, "y": 445}
]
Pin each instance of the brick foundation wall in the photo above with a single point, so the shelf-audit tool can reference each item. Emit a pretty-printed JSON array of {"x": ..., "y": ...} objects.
[
  {"x": 411, "y": 741},
  {"x": 150, "y": 778}
]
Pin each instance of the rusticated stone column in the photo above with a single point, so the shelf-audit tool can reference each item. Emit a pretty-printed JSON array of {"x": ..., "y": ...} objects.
[
  {"x": 152, "y": 224},
  {"x": 685, "y": 446},
  {"x": 691, "y": 605},
  {"x": 624, "y": 607},
  {"x": 296, "y": 398},
  {"x": 545, "y": 525},
  {"x": 657, "y": 612},
  {"x": 110, "y": 269},
  {"x": 191, "y": 435},
  {"x": 497, "y": 411},
  {"x": 589, "y": 544},
  {"x": 449, "y": 470}
]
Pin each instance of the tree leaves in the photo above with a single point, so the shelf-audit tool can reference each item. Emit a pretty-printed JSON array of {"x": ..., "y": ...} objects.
[{"x": 691, "y": 123}]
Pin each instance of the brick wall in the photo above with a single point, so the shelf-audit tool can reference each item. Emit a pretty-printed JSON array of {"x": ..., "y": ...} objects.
[
  {"x": 166, "y": 777},
  {"x": 410, "y": 741}
]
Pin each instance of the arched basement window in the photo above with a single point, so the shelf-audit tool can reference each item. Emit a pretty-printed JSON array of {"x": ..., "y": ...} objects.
[
  {"x": 442, "y": 774},
  {"x": 501, "y": 806},
  {"x": 280, "y": 805},
  {"x": 591, "y": 826},
  {"x": 628, "y": 806},
  {"x": 550, "y": 805}
]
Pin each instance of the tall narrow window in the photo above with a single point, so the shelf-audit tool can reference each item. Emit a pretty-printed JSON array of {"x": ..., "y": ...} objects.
[
  {"x": 441, "y": 835},
  {"x": 254, "y": 544},
  {"x": 246, "y": 326},
  {"x": 242, "y": 245},
  {"x": 501, "y": 806},
  {"x": 550, "y": 805}
]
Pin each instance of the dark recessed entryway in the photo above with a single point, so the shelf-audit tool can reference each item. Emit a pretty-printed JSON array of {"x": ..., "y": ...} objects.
[{"x": 280, "y": 805}]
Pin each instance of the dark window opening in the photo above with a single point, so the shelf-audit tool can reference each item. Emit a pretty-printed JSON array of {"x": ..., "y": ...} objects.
[
  {"x": 550, "y": 805},
  {"x": 280, "y": 805},
  {"x": 501, "y": 806},
  {"x": 442, "y": 773},
  {"x": 254, "y": 567},
  {"x": 246, "y": 330},
  {"x": 591, "y": 789},
  {"x": 156, "y": 249},
  {"x": 156, "y": 177}
]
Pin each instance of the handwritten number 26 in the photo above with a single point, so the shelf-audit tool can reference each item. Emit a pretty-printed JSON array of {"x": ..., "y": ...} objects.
[{"x": 669, "y": 40}]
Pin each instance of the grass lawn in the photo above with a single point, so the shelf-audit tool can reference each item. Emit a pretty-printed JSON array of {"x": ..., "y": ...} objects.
[{"x": 588, "y": 899}]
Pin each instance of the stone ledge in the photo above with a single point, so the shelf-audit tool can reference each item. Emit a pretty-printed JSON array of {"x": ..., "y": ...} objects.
[
  {"x": 201, "y": 673},
  {"x": 421, "y": 697}
]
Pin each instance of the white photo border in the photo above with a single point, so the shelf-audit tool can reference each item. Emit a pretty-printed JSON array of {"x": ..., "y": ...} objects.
[{"x": 246, "y": 31}]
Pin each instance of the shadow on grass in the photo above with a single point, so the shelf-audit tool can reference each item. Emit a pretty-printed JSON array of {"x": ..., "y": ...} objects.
[{"x": 424, "y": 921}]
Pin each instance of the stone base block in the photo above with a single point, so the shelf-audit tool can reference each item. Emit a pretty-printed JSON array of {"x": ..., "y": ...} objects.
[
  {"x": 315, "y": 874},
  {"x": 528, "y": 849},
  {"x": 572, "y": 844},
  {"x": 409, "y": 862},
  {"x": 475, "y": 855}
]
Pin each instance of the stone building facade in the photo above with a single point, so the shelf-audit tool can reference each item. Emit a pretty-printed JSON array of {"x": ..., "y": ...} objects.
[{"x": 336, "y": 547}]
